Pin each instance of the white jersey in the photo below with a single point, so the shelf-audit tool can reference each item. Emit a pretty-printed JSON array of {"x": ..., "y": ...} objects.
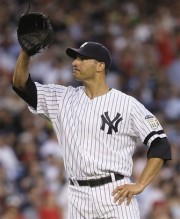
[{"x": 98, "y": 135}]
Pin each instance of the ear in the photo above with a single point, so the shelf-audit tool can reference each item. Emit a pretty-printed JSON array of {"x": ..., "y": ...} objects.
[{"x": 100, "y": 66}]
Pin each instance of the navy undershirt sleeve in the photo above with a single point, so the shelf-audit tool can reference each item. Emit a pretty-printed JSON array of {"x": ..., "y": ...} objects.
[
  {"x": 160, "y": 148},
  {"x": 29, "y": 94}
]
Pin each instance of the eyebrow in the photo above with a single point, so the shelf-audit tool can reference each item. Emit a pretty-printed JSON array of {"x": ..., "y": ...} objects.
[{"x": 82, "y": 57}]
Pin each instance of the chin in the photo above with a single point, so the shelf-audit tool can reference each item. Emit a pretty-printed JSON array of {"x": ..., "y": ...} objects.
[{"x": 77, "y": 79}]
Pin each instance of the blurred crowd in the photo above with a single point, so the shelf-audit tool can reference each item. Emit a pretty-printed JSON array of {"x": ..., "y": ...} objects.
[{"x": 144, "y": 40}]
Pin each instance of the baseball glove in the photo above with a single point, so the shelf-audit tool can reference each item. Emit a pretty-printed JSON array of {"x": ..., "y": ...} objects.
[{"x": 34, "y": 32}]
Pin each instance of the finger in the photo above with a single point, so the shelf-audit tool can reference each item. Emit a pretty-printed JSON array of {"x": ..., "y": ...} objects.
[
  {"x": 120, "y": 197},
  {"x": 121, "y": 200},
  {"x": 129, "y": 197},
  {"x": 117, "y": 197},
  {"x": 116, "y": 190},
  {"x": 126, "y": 198}
]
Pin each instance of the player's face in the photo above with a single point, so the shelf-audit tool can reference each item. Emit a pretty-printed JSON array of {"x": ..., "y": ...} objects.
[{"x": 84, "y": 69}]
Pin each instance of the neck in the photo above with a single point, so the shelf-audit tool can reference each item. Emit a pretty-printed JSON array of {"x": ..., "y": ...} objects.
[{"x": 96, "y": 90}]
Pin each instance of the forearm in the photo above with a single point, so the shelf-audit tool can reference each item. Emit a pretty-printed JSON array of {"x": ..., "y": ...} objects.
[
  {"x": 151, "y": 169},
  {"x": 21, "y": 72}
]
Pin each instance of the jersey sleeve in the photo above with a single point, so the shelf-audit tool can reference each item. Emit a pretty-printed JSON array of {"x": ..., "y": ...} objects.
[
  {"x": 49, "y": 97},
  {"x": 144, "y": 124},
  {"x": 29, "y": 94},
  {"x": 160, "y": 148}
]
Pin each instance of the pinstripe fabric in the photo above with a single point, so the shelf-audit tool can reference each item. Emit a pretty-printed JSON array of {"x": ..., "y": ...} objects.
[
  {"x": 97, "y": 136},
  {"x": 88, "y": 150},
  {"x": 97, "y": 203}
]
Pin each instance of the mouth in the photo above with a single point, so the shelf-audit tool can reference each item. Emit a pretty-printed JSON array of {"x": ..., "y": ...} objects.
[{"x": 75, "y": 70}]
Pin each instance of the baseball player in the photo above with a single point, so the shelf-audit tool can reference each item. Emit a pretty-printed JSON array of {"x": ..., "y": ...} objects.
[{"x": 97, "y": 128}]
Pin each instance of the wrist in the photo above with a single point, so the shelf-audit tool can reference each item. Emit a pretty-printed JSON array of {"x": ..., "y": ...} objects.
[
  {"x": 24, "y": 54},
  {"x": 141, "y": 185}
]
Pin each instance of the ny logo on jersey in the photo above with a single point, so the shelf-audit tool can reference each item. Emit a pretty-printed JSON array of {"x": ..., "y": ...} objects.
[{"x": 113, "y": 124}]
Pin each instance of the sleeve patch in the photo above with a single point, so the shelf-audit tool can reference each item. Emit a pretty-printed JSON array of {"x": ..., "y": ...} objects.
[{"x": 153, "y": 122}]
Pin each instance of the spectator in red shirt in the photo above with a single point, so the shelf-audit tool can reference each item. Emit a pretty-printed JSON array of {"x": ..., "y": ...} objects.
[{"x": 49, "y": 208}]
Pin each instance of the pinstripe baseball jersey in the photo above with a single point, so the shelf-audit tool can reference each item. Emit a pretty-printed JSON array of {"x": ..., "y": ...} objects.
[{"x": 98, "y": 135}]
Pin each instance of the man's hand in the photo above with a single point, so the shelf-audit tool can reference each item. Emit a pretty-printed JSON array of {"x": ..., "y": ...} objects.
[{"x": 126, "y": 192}]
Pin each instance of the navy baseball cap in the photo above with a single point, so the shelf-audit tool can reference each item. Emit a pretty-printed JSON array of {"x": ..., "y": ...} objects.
[{"x": 92, "y": 50}]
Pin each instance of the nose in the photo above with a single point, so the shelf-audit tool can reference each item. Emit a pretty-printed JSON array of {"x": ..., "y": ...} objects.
[{"x": 74, "y": 63}]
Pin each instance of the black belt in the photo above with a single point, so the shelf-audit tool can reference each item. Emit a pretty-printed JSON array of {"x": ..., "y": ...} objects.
[{"x": 97, "y": 182}]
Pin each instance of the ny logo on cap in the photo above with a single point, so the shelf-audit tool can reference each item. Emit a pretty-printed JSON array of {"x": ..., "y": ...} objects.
[
  {"x": 83, "y": 44},
  {"x": 113, "y": 124}
]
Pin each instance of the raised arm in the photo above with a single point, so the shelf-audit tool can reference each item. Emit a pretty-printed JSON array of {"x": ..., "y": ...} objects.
[
  {"x": 22, "y": 83},
  {"x": 21, "y": 71}
]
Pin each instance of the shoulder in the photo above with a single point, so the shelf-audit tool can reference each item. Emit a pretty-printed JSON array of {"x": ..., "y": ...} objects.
[
  {"x": 123, "y": 95},
  {"x": 127, "y": 100},
  {"x": 58, "y": 88}
]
